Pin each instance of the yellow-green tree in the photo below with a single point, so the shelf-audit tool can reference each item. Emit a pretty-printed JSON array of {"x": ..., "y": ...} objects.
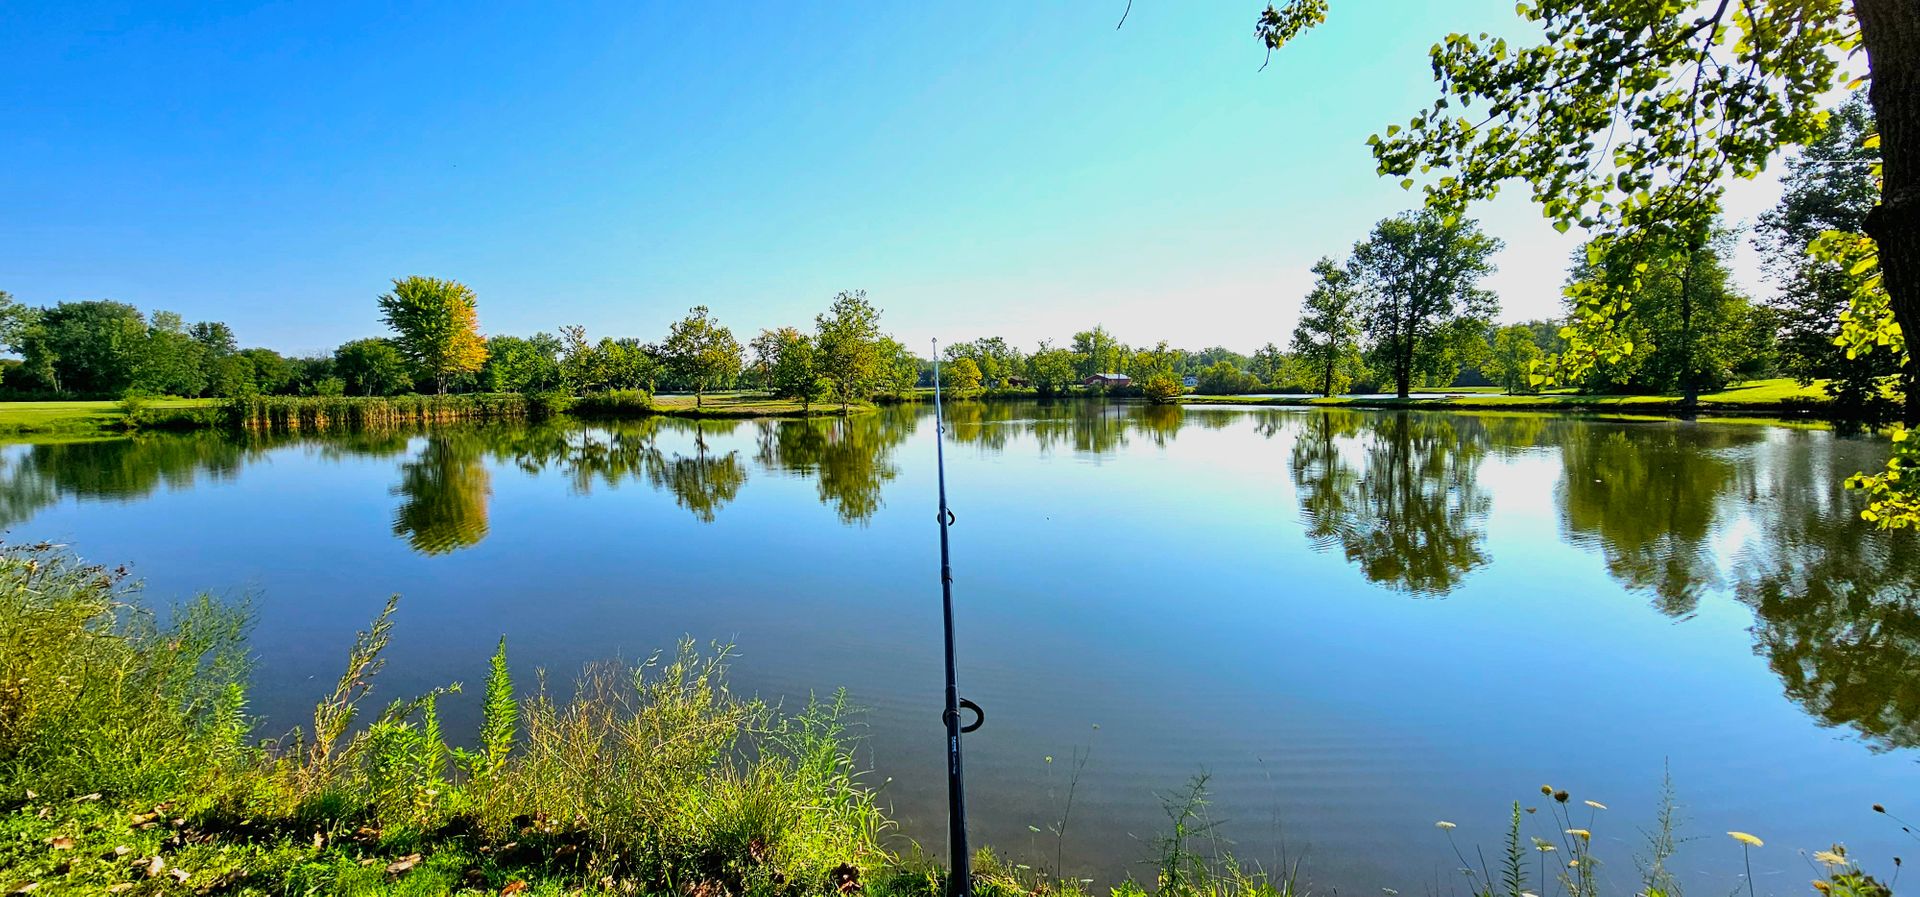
[{"x": 438, "y": 327}]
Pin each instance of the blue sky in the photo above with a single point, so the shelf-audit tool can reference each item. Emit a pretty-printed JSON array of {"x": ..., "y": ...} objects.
[{"x": 1006, "y": 168}]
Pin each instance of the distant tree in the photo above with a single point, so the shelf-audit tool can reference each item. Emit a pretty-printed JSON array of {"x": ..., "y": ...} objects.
[
  {"x": 523, "y": 365},
  {"x": 437, "y": 327},
  {"x": 789, "y": 359},
  {"x": 628, "y": 363},
  {"x": 171, "y": 362},
  {"x": 1683, "y": 323},
  {"x": 847, "y": 347},
  {"x": 216, "y": 337},
  {"x": 232, "y": 375},
  {"x": 272, "y": 374},
  {"x": 1097, "y": 352},
  {"x": 1327, "y": 340},
  {"x": 960, "y": 378},
  {"x": 1052, "y": 370},
  {"x": 1829, "y": 186},
  {"x": 1269, "y": 364},
  {"x": 763, "y": 350},
  {"x": 899, "y": 368},
  {"x": 701, "y": 353},
  {"x": 1514, "y": 355},
  {"x": 371, "y": 367},
  {"x": 86, "y": 348},
  {"x": 1162, "y": 387},
  {"x": 582, "y": 370},
  {"x": 1221, "y": 378},
  {"x": 1420, "y": 275}
]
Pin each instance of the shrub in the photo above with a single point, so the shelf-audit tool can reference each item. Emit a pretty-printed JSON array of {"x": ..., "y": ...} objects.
[
  {"x": 614, "y": 403},
  {"x": 1162, "y": 388}
]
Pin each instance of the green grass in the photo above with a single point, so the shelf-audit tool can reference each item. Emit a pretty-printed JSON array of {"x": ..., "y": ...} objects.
[
  {"x": 1781, "y": 395},
  {"x": 80, "y": 417}
]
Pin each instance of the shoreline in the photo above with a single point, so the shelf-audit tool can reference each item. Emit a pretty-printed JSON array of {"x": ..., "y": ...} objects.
[{"x": 106, "y": 419}]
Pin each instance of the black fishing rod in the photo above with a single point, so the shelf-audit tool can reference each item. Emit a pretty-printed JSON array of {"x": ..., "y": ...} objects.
[{"x": 960, "y": 880}]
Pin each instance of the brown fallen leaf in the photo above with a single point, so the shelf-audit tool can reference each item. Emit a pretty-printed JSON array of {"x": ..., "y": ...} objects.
[
  {"x": 25, "y": 887},
  {"x": 513, "y": 887},
  {"x": 61, "y": 843},
  {"x": 403, "y": 864},
  {"x": 87, "y": 797},
  {"x": 142, "y": 818},
  {"x": 156, "y": 866},
  {"x": 180, "y": 875},
  {"x": 120, "y": 888}
]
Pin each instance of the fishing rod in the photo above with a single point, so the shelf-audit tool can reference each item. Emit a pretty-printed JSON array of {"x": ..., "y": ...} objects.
[{"x": 960, "y": 880}]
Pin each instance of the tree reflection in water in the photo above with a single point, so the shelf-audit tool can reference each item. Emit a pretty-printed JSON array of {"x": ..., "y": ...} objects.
[{"x": 1410, "y": 514}]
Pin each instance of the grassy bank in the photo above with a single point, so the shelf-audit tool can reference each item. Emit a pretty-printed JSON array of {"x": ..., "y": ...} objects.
[
  {"x": 1778, "y": 396},
  {"x": 89, "y": 418},
  {"x": 313, "y": 413}
]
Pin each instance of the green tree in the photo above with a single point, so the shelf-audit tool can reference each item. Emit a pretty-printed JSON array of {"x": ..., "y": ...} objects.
[
  {"x": 1685, "y": 321},
  {"x": 1098, "y": 352},
  {"x": 171, "y": 362},
  {"x": 847, "y": 347},
  {"x": 1221, "y": 378},
  {"x": 1269, "y": 365},
  {"x": 272, "y": 373},
  {"x": 1513, "y": 358},
  {"x": 86, "y": 348},
  {"x": 216, "y": 337},
  {"x": 1828, "y": 186},
  {"x": 960, "y": 378},
  {"x": 1327, "y": 339},
  {"x": 437, "y": 327},
  {"x": 701, "y": 353},
  {"x": 371, "y": 367},
  {"x": 232, "y": 375},
  {"x": 1162, "y": 386},
  {"x": 628, "y": 363},
  {"x": 1052, "y": 370},
  {"x": 1628, "y": 119},
  {"x": 789, "y": 360},
  {"x": 524, "y": 365},
  {"x": 1419, "y": 274},
  {"x": 899, "y": 368}
]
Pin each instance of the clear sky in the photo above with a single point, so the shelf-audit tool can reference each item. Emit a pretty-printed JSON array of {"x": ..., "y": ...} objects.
[{"x": 985, "y": 168}]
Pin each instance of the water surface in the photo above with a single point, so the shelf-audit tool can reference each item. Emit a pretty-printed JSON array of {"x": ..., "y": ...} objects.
[{"x": 1356, "y": 623}]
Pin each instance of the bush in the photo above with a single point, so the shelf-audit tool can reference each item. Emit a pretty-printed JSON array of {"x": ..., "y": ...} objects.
[
  {"x": 1162, "y": 388},
  {"x": 614, "y": 403}
]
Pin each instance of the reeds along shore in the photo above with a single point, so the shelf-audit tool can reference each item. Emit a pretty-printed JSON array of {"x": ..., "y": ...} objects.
[{"x": 320, "y": 413}]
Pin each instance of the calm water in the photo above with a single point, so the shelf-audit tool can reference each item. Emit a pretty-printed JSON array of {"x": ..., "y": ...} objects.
[{"x": 1357, "y": 623}]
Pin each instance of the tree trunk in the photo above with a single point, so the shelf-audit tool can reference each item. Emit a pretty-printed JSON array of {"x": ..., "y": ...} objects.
[
  {"x": 1326, "y": 383},
  {"x": 1890, "y": 31},
  {"x": 1403, "y": 366}
]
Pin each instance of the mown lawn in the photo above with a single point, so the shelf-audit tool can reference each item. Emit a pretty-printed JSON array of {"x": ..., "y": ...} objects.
[
  {"x": 1778, "y": 394},
  {"x": 77, "y": 417}
]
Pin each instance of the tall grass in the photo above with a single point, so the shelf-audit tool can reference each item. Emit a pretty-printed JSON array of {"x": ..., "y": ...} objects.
[
  {"x": 642, "y": 779},
  {"x": 320, "y": 413}
]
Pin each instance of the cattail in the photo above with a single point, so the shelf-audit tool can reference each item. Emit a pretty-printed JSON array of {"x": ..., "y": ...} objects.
[{"x": 1560, "y": 796}]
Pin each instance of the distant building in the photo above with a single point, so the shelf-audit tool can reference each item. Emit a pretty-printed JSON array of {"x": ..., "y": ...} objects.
[
  {"x": 1107, "y": 380},
  {"x": 1189, "y": 381}
]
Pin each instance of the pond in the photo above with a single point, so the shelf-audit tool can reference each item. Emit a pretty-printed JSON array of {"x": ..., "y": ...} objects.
[{"x": 1354, "y": 623}]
